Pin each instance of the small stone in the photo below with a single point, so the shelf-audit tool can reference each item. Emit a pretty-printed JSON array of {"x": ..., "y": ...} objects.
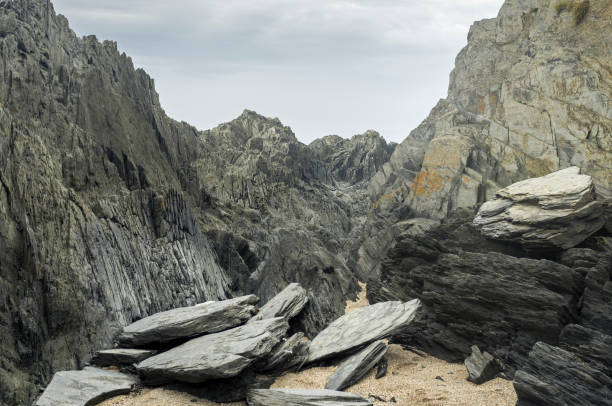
[
  {"x": 381, "y": 368},
  {"x": 481, "y": 367}
]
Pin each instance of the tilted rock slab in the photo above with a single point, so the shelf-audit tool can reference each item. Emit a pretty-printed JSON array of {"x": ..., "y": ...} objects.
[
  {"x": 355, "y": 367},
  {"x": 290, "y": 353},
  {"x": 87, "y": 387},
  {"x": 219, "y": 355},
  {"x": 185, "y": 322},
  {"x": 361, "y": 327},
  {"x": 288, "y": 303},
  {"x": 303, "y": 397},
  {"x": 558, "y": 210},
  {"x": 120, "y": 356}
]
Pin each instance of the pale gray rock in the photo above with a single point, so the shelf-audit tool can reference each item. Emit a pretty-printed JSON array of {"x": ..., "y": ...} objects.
[
  {"x": 362, "y": 327},
  {"x": 303, "y": 397},
  {"x": 559, "y": 210},
  {"x": 292, "y": 352},
  {"x": 87, "y": 387},
  {"x": 219, "y": 355},
  {"x": 288, "y": 304},
  {"x": 120, "y": 357},
  {"x": 357, "y": 366},
  {"x": 481, "y": 366},
  {"x": 186, "y": 322}
]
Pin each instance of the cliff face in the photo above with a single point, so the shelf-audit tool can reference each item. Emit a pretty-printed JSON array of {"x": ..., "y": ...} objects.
[
  {"x": 529, "y": 94},
  {"x": 111, "y": 211}
]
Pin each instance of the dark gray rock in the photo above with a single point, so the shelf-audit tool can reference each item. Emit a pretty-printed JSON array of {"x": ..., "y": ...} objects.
[
  {"x": 381, "y": 368},
  {"x": 120, "y": 357},
  {"x": 288, "y": 304},
  {"x": 553, "y": 376},
  {"x": 292, "y": 352},
  {"x": 186, "y": 322},
  {"x": 496, "y": 301},
  {"x": 356, "y": 366},
  {"x": 213, "y": 356},
  {"x": 481, "y": 366},
  {"x": 303, "y": 397},
  {"x": 87, "y": 387},
  {"x": 362, "y": 327},
  {"x": 589, "y": 344}
]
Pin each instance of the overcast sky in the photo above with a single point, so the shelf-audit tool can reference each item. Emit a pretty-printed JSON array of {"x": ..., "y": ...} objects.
[{"x": 321, "y": 66}]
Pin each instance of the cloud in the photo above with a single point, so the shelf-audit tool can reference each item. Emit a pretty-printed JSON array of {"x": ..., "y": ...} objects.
[{"x": 321, "y": 65}]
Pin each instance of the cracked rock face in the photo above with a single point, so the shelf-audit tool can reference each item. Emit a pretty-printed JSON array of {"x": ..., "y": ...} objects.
[{"x": 555, "y": 211}]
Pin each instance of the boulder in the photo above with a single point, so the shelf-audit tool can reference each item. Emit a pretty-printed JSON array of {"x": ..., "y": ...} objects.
[
  {"x": 362, "y": 327},
  {"x": 356, "y": 366},
  {"x": 214, "y": 356},
  {"x": 481, "y": 366},
  {"x": 554, "y": 376},
  {"x": 120, "y": 356},
  {"x": 288, "y": 303},
  {"x": 556, "y": 211},
  {"x": 290, "y": 353},
  {"x": 87, "y": 387},
  {"x": 185, "y": 322},
  {"x": 302, "y": 397}
]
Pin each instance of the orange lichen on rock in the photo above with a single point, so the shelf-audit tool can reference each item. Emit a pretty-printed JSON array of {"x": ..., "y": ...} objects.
[{"x": 427, "y": 182}]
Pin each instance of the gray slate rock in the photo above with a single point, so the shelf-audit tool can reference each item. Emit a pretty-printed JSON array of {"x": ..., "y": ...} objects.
[
  {"x": 86, "y": 387},
  {"x": 361, "y": 327},
  {"x": 184, "y": 322},
  {"x": 302, "y": 397},
  {"x": 288, "y": 303},
  {"x": 555, "y": 211},
  {"x": 481, "y": 366},
  {"x": 121, "y": 356},
  {"x": 356, "y": 366},
  {"x": 290, "y": 353},
  {"x": 220, "y": 355}
]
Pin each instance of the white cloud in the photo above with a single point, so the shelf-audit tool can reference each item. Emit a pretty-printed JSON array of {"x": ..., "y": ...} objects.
[{"x": 322, "y": 66}]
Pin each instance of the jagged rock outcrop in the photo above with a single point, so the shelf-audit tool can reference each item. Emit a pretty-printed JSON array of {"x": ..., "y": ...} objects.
[
  {"x": 187, "y": 322},
  {"x": 473, "y": 295},
  {"x": 356, "y": 366},
  {"x": 361, "y": 327},
  {"x": 354, "y": 160},
  {"x": 523, "y": 101},
  {"x": 303, "y": 397},
  {"x": 213, "y": 356},
  {"x": 87, "y": 387},
  {"x": 110, "y": 211},
  {"x": 556, "y": 211}
]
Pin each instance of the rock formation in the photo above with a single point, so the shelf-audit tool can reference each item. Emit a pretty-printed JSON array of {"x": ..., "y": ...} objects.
[
  {"x": 558, "y": 210},
  {"x": 482, "y": 367}
]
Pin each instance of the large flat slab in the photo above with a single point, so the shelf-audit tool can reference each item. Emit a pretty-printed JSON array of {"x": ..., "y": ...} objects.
[
  {"x": 303, "y": 397},
  {"x": 185, "y": 322},
  {"x": 218, "y": 355},
  {"x": 120, "y": 356},
  {"x": 362, "y": 327},
  {"x": 288, "y": 303},
  {"x": 356, "y": 366},
  {"x": 86, "y": 387}
]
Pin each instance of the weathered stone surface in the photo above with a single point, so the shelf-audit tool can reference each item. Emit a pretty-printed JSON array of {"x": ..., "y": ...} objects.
[
  {"x": 303, "y": 397},
  {"x": 356, "y": 366},
  {"x": 87, "y": 387},
  {"x": 292, "y": 352},
  {"x": 555, "y": 211},
  {"x": 214, "y": 356},
  {"x": 120, "y": 357},
  {"x": 553, "y": 376},
  {"x": 186, "y": 322},
  {"x": 362, "y": 327},
  {"x": 500, "y": 302},
  {"x": 288, "y": 304},
  {"x": 481, "y": 366}
]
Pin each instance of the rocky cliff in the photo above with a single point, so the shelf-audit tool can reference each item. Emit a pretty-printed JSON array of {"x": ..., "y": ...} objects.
[{"x": 111, "y": 211}]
